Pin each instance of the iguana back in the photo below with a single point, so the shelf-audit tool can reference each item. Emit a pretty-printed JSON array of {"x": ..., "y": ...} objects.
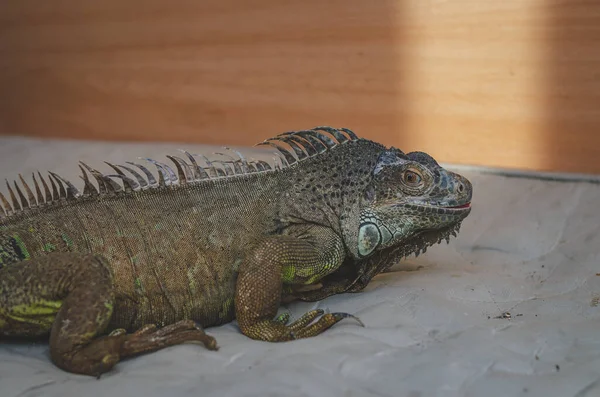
[{"x": 173, "y": 251}]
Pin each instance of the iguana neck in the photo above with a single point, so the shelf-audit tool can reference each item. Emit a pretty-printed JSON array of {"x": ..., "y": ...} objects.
[{"x": 327, "y": 189}]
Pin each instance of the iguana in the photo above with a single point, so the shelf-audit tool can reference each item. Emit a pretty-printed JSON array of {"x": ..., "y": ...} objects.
[{"x": 135, "y": 262}]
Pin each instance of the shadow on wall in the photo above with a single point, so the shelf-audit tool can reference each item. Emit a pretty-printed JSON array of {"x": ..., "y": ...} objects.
[
  {"x": 197, "y": 71},
  {"x": 572, "y": 98}
]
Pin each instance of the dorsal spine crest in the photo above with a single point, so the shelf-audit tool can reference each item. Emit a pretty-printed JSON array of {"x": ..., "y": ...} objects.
[{"x": 304, "y": 145}]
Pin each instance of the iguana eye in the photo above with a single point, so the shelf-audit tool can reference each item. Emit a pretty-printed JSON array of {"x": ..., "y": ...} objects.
[{"x": 412, "y": 178}]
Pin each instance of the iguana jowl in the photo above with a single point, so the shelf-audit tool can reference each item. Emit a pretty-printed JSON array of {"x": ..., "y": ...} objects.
[{"x": 101, "y": 271}]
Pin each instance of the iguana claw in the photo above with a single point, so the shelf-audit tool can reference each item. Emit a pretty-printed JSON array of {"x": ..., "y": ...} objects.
[{"x": 341, "y": 316}]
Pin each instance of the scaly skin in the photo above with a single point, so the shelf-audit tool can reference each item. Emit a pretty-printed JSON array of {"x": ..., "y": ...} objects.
[{"x": 100, "y": 272}]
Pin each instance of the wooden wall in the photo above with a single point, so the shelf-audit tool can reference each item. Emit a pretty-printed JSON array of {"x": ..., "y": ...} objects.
[{"x": 499, "y": 83}]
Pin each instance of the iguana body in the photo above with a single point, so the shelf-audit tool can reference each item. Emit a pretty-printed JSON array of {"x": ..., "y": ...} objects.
[{"x": 201, "y": 247}]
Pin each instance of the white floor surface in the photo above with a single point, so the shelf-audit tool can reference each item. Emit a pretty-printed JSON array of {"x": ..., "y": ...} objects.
[{"x": 530, "y": 248}]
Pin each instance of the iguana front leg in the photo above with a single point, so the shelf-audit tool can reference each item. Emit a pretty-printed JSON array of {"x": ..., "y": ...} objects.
[
  {"x": 351, "y": 277},
  {"x": 71, "y": 295},
  {"x": 291, "y": 260}
]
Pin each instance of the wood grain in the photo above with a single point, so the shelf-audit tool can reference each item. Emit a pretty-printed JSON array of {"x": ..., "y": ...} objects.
[{"x": 504, "y": 84}]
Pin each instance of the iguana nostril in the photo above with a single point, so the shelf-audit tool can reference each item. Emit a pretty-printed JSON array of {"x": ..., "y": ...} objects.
[{"x": 461, "y": 187}]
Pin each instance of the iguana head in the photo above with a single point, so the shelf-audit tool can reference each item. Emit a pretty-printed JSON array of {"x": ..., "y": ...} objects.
[
  {"x": 379, "y": 199},
  {"x": 410, "y": 195}
]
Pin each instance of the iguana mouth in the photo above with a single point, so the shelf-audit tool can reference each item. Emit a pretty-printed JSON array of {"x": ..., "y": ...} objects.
[
  {"x": 458, "y": 207},
  {"x": 439, "y": 209}
]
